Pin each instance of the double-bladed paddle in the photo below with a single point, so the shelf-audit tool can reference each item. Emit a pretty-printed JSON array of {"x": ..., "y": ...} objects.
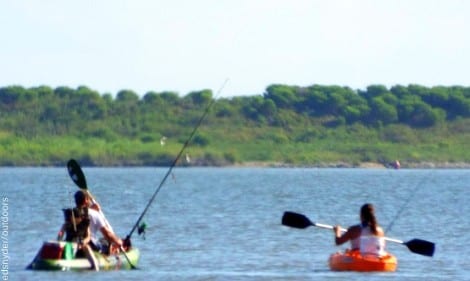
[
  {"x": 78, "y": 177},
  {"x": 417, "y": 246}
]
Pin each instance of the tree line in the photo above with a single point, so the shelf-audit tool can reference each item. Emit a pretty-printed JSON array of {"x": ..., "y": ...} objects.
[
  {"x": 63, "y": 110},
  {"x": 413, "y": 105},
  {"x": 282, "y": 114}
]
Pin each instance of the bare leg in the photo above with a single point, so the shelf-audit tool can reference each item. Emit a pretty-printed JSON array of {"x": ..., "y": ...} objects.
[{"x": 91, "y": 257}]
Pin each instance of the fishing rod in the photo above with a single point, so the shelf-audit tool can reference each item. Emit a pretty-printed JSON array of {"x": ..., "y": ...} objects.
[
  {"x": 176, "y": 160},
  {"x": 414, "y": 191}
]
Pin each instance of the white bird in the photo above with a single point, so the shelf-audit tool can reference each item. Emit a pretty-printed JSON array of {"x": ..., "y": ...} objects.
[{"x": 162, "y": 141}]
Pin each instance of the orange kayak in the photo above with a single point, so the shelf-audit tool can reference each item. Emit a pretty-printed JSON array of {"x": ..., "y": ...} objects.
[{"x": 354, "y": 261}]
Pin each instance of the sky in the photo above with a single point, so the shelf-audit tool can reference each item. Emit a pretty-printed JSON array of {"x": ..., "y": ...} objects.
[{"x": 185, "y": 46}]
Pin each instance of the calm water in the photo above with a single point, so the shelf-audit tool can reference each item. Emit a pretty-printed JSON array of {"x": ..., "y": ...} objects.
[{"x": 224, "y": 223}]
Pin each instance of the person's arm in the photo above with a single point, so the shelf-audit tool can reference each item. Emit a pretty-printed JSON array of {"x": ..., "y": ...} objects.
[
  {"x": 110, "y": 236},
  {"x": 60, "y": 235},
  {"x": 87, "y": 238},
  {"x": 95, "y": 206},
  {"x": 352, "y": 233}
]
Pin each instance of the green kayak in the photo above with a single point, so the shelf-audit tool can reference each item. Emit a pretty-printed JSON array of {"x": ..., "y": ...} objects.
[{"x": 60, "y": 255}]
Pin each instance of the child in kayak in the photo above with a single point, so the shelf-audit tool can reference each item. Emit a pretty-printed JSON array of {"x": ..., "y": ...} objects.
[{"x": 76, "y": 228}]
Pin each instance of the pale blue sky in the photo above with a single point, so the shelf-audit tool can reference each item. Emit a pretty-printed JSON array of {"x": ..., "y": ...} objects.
[{"x": 182, "y": 46}]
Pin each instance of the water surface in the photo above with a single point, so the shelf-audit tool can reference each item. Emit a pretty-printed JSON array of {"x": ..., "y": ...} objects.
[{"x": 224, "y": 223}]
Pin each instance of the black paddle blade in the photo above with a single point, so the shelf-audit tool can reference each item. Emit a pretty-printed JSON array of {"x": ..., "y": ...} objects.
[
  {"x": 296, "y": 220},
  {"x": 76, "y": 174},
  {"x": 421, "y": 247}
]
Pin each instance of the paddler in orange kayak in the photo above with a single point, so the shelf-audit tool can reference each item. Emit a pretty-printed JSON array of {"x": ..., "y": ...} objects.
[{"x": 366, "y": 237}]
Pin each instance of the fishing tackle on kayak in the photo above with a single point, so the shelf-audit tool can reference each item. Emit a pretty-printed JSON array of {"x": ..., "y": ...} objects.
[{"x": 141, "y": 229}]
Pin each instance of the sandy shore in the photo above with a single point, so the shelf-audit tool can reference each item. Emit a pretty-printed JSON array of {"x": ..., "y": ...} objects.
[{"x": 363, "y": 165}]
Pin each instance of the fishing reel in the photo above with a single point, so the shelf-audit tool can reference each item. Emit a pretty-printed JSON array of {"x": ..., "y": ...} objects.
[{"x": 141, "y": 229}]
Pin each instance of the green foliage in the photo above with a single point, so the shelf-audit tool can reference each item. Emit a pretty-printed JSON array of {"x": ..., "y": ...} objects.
[
  {"x": 287, "y": 124},
  {"x": 282, "y": 96},
  {"x": 200, "y": 97},
  {"x": 200, "y": 140}
]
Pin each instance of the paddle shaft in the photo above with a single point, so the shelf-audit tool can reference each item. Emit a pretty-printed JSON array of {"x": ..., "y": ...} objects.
[
  {"x": 206, "y": 111},
  {"x": 321, "y": 225}
]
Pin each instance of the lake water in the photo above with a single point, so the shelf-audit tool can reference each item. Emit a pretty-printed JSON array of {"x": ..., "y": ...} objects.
[{"x": 225, "y": 223}]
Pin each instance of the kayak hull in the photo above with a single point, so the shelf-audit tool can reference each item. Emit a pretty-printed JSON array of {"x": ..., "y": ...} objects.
[
  {"x": 355, "y": 261},
  {"x": 52, "y": 256}
]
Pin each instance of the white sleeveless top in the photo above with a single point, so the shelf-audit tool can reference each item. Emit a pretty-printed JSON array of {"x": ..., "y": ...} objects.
[{"x": 368, "y": 243}]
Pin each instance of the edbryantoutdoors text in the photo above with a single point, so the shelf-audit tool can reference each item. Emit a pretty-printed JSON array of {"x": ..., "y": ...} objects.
[{"x": 4, "y": 238}]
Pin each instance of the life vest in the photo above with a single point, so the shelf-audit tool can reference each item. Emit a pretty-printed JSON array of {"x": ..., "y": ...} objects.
[{"x": 82, "y": 222}]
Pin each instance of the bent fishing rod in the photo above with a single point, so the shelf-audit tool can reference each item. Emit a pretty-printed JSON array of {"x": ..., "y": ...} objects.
[{"x": 206, "y": 111}]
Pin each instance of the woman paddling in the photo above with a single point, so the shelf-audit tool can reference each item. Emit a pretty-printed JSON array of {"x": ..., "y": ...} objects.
[{"x": 366, "y": 237}]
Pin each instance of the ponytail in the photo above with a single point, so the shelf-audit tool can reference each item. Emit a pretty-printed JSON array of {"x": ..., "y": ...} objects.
[{"x": 368, "y": 217}]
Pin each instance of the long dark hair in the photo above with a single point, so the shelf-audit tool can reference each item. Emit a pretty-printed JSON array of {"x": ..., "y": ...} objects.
[{"x": 368, "y": 217}]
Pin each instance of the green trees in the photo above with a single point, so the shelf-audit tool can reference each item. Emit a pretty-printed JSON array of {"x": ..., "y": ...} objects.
[
  {"x": 283, "y": 96},
  {"x": 282, "y": 115},
  {"x": 200, "y": 97},
  {"x": 64, "y": 109}
]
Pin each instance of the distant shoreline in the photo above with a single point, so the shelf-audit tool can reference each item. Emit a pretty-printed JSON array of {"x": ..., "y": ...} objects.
[
  {"x": 260, "y": 164},
  {"x": 363, "y": 165}
]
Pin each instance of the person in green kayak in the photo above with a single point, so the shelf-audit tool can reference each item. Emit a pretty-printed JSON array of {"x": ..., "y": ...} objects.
[
  {"x": 98, "y": 224},
  {"x": 366, "y": 237}
]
